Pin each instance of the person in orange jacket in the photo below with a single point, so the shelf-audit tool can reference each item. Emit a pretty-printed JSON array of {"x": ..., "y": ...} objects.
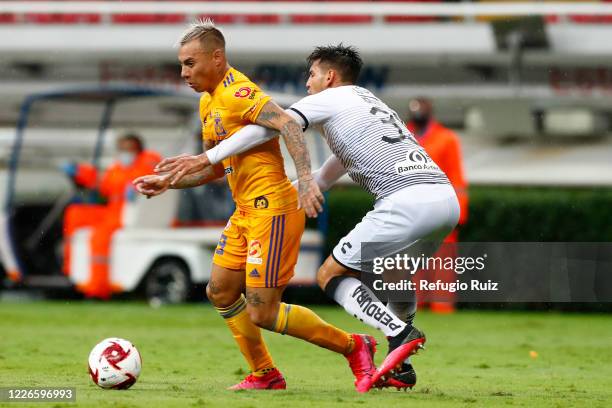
[
  {"x": 444, "y": 148},
  {"x": 115, "y": 186}
]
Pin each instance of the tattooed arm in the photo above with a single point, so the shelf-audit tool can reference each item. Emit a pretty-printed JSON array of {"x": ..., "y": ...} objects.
[
  {"x": 274, "y": 117},
  {"x": 208, "y": 173},
  {"x": 153, "y": 185}
]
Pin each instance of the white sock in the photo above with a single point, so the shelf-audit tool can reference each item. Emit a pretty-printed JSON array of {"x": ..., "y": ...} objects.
[{"x": 360, "y": 302}]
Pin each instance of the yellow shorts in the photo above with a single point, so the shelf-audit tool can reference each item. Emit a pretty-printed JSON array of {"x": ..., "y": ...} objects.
[{"x": 265, "y": 246}]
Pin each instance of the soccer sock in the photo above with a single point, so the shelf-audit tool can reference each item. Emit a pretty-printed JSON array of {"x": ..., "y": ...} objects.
[
  {"x": 248, "y": 337},
  {"x": 303, "y": 323},
  {"x": 359, "y": 301},
  {"x": 405, "y": 311}
]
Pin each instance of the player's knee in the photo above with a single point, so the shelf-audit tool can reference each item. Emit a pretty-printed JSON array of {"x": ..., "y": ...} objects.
[
  {"x": 263, "y": 316},
  {"x": 324, "y": 275},
  {"x": 220, "y": 298}
]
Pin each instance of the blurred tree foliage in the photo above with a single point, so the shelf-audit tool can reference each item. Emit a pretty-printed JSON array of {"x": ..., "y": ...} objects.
[{"x": 502, "y": 214}]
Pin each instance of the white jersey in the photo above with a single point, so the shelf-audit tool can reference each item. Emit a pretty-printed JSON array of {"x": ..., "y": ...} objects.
[{"x": 373, "y": 144}]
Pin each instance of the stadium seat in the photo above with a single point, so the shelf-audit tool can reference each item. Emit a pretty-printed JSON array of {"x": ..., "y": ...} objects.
[
  {"x": 148, "y": 18},
  {"x": 62, "y": 18}
]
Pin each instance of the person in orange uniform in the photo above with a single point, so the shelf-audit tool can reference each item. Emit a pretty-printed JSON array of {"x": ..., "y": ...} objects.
[
  {"x": 258, "y": 249},
  {"x": 115, "y": 186},
  {"x": 444, "y": 148}
]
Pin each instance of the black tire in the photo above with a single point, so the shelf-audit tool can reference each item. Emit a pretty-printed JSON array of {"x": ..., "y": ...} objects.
[{"x": 168, "y": 282}]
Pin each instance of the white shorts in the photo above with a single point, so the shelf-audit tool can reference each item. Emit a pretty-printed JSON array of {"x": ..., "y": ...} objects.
[{"x": 425, "y": 212}]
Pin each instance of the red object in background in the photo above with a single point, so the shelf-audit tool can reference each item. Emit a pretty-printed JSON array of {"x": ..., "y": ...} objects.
[
  {"x": 62, "y": 18},
  {"x": 148, "y": 18},
  {"x": 103, "y": 219},
  {"x": 86, "y": 176},
  {"x": 337, "y": 19},
  {"x": 444, "y": 148}
]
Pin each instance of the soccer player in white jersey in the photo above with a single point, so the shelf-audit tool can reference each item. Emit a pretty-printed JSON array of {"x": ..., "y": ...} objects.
[{"x": 414, "y": 199}]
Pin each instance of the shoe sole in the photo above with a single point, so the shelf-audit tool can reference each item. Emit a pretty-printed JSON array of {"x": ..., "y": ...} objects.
[
  {"x": 278, "y": 384},
  {"x": 392, "y": 382},
  {"x": 395, "y": 358}
]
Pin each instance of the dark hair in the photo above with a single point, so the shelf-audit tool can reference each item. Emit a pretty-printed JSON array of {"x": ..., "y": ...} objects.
[
  {"x": 344, "y": 59},
  {"x": 133, "y": 137}
]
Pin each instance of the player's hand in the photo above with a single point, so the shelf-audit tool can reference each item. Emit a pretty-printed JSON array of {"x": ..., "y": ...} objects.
[
  {"x": 179, "y": 166},
  {"x": 310, "y": 197},
  {"x": 152, "y": 185}
]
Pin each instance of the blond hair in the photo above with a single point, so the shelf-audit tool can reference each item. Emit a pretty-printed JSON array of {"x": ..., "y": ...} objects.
[{"x": 205, "y": 31}]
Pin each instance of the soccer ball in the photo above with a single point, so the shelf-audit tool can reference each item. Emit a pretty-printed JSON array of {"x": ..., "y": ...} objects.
[{"x": 114, "y": 363}]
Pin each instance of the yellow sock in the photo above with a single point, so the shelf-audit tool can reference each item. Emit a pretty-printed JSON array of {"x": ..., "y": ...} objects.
[
  {"x": 303, "y": 323},
  {"x": 248, "y": 337}
]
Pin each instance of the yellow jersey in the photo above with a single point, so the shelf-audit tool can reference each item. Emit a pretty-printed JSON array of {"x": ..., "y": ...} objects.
[{"x": 256, "y": 177}]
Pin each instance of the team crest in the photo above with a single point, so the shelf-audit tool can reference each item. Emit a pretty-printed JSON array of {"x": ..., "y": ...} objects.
[
  {"x": 219, "y": 129},
  {"x": 261, "y": 202},
  {"x": 254, "y": 253}
]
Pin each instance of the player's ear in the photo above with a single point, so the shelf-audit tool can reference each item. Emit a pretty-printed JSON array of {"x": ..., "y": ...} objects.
[
  {"x": 218, "y": 56},
  {"x": 331, "y": 76}
]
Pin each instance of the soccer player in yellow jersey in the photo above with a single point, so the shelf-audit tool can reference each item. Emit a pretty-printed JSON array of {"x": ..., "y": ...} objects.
[{"x": 258, "y": 249}]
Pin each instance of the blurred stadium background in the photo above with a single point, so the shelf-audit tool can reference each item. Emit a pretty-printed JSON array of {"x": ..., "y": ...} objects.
[{"x": 526, "y": 85}]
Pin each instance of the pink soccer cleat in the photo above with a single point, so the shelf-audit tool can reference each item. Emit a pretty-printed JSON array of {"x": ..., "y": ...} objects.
[
  {"x": 273, "y": 380},
  {"x": 361, "y": 360}
]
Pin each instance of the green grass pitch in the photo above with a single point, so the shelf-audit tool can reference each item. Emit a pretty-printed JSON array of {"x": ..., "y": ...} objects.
[{"x": 473, "y": 359}]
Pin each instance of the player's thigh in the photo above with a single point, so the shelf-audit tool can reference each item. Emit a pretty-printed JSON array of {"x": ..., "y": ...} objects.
[
  {"x": 225, "y": 285},
  {"x": 263, "y": 304},
  {"x": 273, "y": 249},
  {"x": 396, "y": 223},
  {"x": 230, "y": 252}
]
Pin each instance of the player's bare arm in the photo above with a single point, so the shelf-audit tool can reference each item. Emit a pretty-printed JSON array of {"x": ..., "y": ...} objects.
[
  {"x": 273, "y": 117},
  {"x": 153, "y": 185},
  {"x": 180, "y": 166},
  {"x": 240, "y": 142}
]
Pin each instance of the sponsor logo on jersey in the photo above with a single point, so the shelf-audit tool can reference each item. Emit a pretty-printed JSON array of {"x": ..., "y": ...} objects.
[
  {"x": 260, "y": 202},
  {"x": 243, "y": 92},
  {"x": 254, "y": 253},
  {"x": 228, "y": 170},
  {"x": 255, "y": 248},
  {"x": 254, "y": 274},
  {"x": 416, "y": 161},
  {"x": 253, "y": 93}
]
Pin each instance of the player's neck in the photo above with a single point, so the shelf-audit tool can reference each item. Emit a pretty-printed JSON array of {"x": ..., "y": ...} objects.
[
  {"x": 337, "y": 84},
  {"x": 220, "y": 74}
]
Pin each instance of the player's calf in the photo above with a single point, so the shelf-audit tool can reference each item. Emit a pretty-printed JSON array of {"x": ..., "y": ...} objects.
[{"x": 263, "y": 314}]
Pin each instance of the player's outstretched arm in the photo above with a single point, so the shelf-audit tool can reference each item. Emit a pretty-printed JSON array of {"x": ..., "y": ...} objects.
[
  {"x": 242, "y": 141},
  {"x": 273, "y": 117},
  {"x": 178, "y": 167},
  {"x": 155, "y": 184},
  {"x": 328, "y": 174}
]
